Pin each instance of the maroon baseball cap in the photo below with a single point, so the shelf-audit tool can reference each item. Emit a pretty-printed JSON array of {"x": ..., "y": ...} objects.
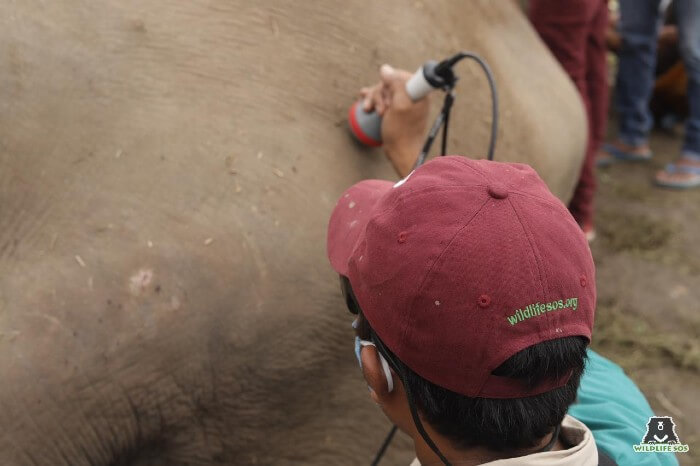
[{"x": 463, "y": 264}]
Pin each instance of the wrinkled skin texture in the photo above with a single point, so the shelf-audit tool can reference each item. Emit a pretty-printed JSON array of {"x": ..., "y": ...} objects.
[{"x": 200, "y": 321}]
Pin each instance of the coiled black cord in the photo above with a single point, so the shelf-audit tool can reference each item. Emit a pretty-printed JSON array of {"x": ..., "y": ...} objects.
[
  {"x": 445, "y": 67},
  {"x": 411, "y": 405}
]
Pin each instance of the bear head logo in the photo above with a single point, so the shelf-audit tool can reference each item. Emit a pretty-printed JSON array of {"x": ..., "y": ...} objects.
[{"x": 661, "y": 429}]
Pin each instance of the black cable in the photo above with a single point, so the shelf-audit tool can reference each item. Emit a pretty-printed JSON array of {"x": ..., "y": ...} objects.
[
  {"x": 384, "y": 446},
  {"x": 409, "y": 397},
  {"x": 445, "y": 68},
  {"x": 419, "y": 424},
  {"x": 446, "y": 124},
  {"x": 441, "y": 118},
  {"x": 552, "y": 441},
  {"x": 494, "y": 99}
]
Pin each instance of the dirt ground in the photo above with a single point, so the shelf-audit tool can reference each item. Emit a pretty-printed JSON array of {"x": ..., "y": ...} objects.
[{"x": 648, "y": 267}]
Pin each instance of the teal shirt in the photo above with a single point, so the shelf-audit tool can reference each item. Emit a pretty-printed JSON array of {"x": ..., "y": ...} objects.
[{"x": 612, "y": 406}]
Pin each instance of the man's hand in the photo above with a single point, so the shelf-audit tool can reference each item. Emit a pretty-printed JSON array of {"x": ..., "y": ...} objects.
[{"x": 403, "y": 121}]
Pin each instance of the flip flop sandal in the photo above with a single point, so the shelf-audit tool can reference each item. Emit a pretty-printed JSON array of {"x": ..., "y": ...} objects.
[
  {"x": 604, "y": 161},
  {"x": 691, "y": 182},
  {"x": 620, "y": 155}
]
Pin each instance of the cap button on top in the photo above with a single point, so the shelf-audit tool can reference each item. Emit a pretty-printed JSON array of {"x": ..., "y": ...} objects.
[{"x": 497, "y": 191}]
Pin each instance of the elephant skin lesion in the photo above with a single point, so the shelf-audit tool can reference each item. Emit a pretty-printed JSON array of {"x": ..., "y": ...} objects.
[
  {"x": 139, "y": 281},
  {"x": 138, "y": 26}
]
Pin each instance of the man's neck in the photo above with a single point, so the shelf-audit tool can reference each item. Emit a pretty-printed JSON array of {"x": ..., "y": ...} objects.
[{"x": 472, "y": 456}]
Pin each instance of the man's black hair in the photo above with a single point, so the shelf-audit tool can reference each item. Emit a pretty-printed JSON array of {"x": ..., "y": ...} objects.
[{"x": 499, "y": 424}]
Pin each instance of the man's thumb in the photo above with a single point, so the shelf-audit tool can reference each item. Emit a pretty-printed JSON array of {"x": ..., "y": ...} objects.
[{"x": 387, "y": 73}]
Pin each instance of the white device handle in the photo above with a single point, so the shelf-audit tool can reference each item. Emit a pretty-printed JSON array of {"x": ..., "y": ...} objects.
[{"x": 418, "y": 87}]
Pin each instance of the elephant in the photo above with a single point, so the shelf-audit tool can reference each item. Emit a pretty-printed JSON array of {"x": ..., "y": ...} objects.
[{"x": 167, "y": 171}]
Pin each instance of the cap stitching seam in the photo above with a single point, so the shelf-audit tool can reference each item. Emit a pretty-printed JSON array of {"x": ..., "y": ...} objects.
[
  {"x": 442, "y": 186},
  {"x": 544, "y": 283},
  {"x": 420, "y": 192},
  {"x": 473, "y": 168},
  {"x": 510, "y": 188},
  {"x": 496, "y": 315},
  {"x": 535, "y": 253},
  {"x": 427, "y": 274}
]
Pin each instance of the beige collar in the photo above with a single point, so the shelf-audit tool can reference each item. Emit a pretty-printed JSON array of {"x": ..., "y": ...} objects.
[{"x": 583, "y": 452}]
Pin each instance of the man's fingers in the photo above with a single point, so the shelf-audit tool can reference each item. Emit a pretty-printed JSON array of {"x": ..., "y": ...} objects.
[
  {"x": 383, "y": 101},
  {"x": 371, "y": 98},
  {"x": 367, "y": 103},
  {"x": 379, "y": 105},
  {"x": 381, "y": 96},
  {"x": 367, "y": 98},
  {"x": 387, "y": 73}
]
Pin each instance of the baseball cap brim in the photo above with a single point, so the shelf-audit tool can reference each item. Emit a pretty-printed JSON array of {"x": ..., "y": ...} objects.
[{"x": 349, "y": 219}]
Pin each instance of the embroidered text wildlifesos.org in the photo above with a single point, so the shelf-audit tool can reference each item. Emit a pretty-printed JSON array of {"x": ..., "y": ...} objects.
[{"x": 537, "y": 309}]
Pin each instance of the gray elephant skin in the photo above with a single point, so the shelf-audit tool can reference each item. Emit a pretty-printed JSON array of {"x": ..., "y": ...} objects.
[{"x": 167, "y": 170}]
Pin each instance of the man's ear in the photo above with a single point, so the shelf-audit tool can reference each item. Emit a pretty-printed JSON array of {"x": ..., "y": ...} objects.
[{"x": 374, "y": 374}]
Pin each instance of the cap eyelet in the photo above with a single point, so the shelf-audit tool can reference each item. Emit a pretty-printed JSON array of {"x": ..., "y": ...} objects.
[
  {"x": 484, "y": 300},
  {"x": 402, "y": 237},
  {"x": 583, "y": 281}
]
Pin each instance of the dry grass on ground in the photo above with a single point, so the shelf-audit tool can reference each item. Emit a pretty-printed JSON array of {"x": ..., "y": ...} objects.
[{"x": 648, "y": 264}]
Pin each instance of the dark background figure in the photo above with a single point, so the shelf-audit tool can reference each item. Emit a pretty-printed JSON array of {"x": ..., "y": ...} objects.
[
  {"x": 669, "y": 101},
  {"x": 640, "y": 23},
  {"x": 575, "y": 31}
]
